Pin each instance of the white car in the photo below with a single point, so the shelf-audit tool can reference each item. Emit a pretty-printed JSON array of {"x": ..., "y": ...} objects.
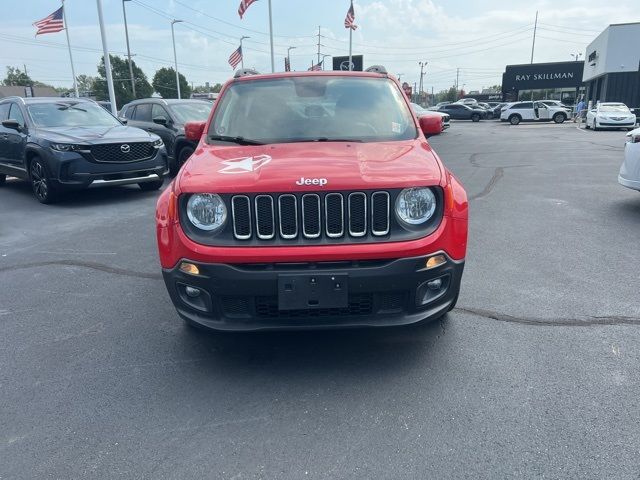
[
  {"x": 423, "y": 111},
  {"x": 559, "y": 104},
  {"x": 630, "y": 170},
  {"x": 471, "y": 102},
  {"x": 610, "y": 115},
  {"x": 533, "y": 112}
]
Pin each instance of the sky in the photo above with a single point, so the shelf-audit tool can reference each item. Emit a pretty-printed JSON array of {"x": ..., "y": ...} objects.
[{"x": 477, "y": 37}]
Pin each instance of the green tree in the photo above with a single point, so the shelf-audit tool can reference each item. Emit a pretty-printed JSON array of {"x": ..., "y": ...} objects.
[
  {"x": 15, "y": 76},
  {"x": 217, "y": 87},
  {"x": 164, "y": 82},
  {"x": 85, "y": 83},
  {"x": 121, "y": 81}
]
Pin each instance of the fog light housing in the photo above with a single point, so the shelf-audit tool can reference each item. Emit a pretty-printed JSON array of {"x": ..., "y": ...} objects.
[
  {"x": 436, "y": 261},
  {"x": 192, "y": 291},
  {"x": 190, "y": 268},
  {"x": 431, "y": 290}
]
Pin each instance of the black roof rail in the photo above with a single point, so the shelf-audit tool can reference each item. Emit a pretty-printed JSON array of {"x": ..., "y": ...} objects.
[{"x": 245, "y": 72}]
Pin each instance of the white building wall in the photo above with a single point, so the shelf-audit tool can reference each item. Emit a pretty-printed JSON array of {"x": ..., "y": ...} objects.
[{"x": 616, "y": 51}]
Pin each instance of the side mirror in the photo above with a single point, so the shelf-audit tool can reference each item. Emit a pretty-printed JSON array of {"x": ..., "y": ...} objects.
[
  {"x": 123, "y": 120},
  {"x": 160, "y": 121},
  {"x": 13, "y": 124},
  {"x": 194, "y": 130},
  {"x": 430, "y": 125}
]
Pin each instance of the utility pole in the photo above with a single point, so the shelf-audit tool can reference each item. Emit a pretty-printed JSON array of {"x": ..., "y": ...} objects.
[
  {"x": 457, "y": 79},
  {"x": 535, "y": 29},
  {"x": 126, "y": 33},
  {"x": 319, "y": 36},
  {"x": 25, "y": 69},
  {"x": 242, "y": 52},
  {"x": 422, "y": 65},
  {"x": 399, "y": 75},
  {"x": 175, "y": 57}
]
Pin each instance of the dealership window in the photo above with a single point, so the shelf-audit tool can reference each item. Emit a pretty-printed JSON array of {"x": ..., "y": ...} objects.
[{"x": 565, "y": 95}]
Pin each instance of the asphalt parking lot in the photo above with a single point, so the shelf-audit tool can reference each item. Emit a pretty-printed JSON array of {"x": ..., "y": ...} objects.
[{"x": 535, "y": 374}]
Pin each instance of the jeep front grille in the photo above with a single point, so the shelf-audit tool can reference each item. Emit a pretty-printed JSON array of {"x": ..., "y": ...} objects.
[
  {"x": 310, "y": 216},
  {"x": 122, "y": 152}
]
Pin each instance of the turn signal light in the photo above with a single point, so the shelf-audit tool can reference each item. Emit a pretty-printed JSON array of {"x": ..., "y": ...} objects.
[
  {"x": 189, "y": 268},
  {"x": 436, "y": 261}
]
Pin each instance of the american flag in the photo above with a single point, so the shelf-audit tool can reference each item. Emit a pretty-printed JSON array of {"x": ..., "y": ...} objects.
[
  {"x": 315, "y": 67},
  {"x": 350, "y": 18},
  {"x": 244, "y": 4},
  {"x": 236, "y": 57},
  {"x": 50, "y": 24}
]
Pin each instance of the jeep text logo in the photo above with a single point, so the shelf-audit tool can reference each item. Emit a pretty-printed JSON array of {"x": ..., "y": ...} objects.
[{"x": 312, "y": 181}]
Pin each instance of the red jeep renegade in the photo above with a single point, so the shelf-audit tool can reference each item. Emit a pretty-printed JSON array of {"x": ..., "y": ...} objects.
[{"x": 312, "y": 200}]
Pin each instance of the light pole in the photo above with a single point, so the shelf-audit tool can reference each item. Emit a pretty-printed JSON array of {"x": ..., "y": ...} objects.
[
  {"x": 576, "y": 56},
  {"x": 324, "y": 55},
  {"x": 175, "y": 57},
  {"x": 422, "y": 66},
  {"x": 242, "y": 52},
  {"x": 126, "y": 33},
  {"x": 289, "y": 56}
]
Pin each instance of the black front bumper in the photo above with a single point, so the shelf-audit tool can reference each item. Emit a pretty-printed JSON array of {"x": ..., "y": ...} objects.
[
  {"x": 380, "y": 293},
  {"x": 74, "y": 170}
]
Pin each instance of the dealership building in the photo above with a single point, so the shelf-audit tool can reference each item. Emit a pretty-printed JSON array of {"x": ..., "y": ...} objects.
[
  {"x": 536, "y": 81},
  {"x": 612, "y": 67}
]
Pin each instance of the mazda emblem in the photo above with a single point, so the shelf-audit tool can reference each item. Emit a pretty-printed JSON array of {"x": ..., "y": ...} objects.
[{"x": 125, "y": 148}]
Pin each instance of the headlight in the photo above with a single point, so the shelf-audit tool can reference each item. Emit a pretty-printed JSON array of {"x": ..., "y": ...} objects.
[
  {"x": 67, "y": 147},
  {"x": 158, "y": 143},
  {"x": 207, "y": 211},
  {"x": 414, "y": 206}
]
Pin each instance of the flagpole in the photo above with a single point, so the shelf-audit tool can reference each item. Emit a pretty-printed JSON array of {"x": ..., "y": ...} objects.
[
  {"x": 273, "y": 63},
  {"x": 107, "y": 61},
  {"x": 350, "y": 45},
  {"x": 66, "y": 30}
]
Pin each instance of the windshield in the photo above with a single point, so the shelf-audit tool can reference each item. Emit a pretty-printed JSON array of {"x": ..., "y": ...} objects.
[
  {"x": 614, "y": 108},
  {"x": 417, "y": 108},
  {"x": 313, "y": 109},
  {"x": 71, "y": 114},
  {"x": 192, "y": 111}
]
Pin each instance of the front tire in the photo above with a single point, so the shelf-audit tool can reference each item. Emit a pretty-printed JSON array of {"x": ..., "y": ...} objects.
[
  {"x": 514, "y": 119},
  {"x": 475, "y": 117},
  {"x": 151, "y": 186},
  {"x": 559, "y": 118},
  {"x": 41, "y": 184}
]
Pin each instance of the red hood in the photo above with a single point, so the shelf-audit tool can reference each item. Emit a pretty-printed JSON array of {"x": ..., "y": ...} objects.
[{"x": 277, "y": 168}]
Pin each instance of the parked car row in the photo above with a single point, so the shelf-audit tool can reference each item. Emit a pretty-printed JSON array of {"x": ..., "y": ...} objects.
[{"x": 60, "y": 144}]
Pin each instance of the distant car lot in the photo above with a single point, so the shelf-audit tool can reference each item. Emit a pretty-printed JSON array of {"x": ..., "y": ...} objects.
[{"x": 99, "y": 371}]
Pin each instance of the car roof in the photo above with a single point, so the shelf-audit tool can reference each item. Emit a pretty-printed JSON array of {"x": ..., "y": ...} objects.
[
  {"x": 166, "y": 101},
  {"x": 326, "y": 73},
  {"x": 33, "y": 100},
  {"x": 612, "y": 103}
]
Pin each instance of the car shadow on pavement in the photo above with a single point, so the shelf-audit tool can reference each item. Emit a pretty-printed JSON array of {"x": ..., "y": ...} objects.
[
  {"x": 83, "y": 198},
  {"x": 319, "y": 351}
]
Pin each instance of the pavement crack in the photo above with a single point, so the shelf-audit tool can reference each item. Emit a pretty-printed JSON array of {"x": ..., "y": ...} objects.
[
  {"x": 585, "y": 321},
  {"x": 91, "y": 265},
  {"x": 497, "y": 175}
]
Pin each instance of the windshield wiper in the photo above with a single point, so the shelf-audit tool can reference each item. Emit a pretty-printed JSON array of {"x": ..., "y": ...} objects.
[
  {"x": 324, "y": 139},
  {"x": 67, "y": 106},
  {"x": 238, "y": 140}
]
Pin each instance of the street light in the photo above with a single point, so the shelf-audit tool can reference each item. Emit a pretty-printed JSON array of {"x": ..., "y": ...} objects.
[
  {"x": 126, "y": 33},
  {"x": 324, "y": 55},
  {"x": 289, "y": 56},
  {"x": 576, "y": 56},
  {"x": 242, "y": 52},
  {"x": 175, "y": 57}
]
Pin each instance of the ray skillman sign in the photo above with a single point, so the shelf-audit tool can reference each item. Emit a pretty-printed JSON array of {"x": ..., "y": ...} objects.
[{"x": 542, "y": 75}]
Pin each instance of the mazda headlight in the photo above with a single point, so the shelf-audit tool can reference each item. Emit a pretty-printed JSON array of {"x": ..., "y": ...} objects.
[
  {"x": 207, "y": 211},
  {"x": 158, "y": 143},
  {"x": 414, "y": 206},
  {"x": 68, "y": 147}
]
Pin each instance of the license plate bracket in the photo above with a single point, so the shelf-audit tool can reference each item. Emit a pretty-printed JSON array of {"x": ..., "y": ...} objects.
[{"x": 313, "y": 291}]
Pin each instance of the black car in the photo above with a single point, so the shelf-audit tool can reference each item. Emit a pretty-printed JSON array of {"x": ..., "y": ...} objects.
[
  {"x": 65, "y": 143},
  {"x": 166, "y": 118},
  {"x": 458, "y": 111}
]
